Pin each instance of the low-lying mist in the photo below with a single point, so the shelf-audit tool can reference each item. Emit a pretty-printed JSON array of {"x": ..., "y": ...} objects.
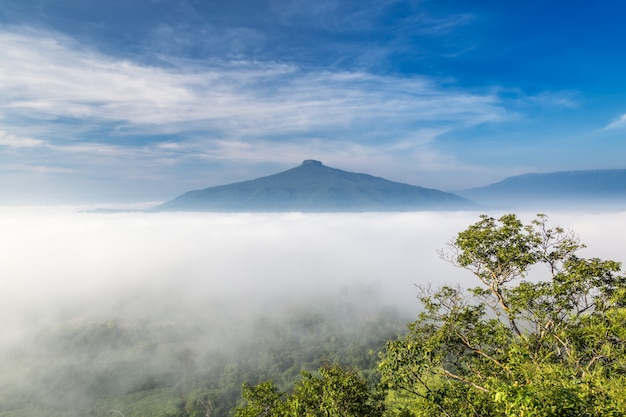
[
  {"x": 63, "y": 265},
  {"x": 60, "y": 264},
  {"x": 214, "y": 281}
]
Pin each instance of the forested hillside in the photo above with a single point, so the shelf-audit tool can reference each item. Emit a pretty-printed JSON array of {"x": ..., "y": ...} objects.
[
  {"x": 89, "y": 368},
  {"x": 539, "y": 332}
]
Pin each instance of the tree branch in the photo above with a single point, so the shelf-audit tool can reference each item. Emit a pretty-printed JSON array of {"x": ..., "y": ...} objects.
[
  {"x": 480, "y": 352},
  {"x": 465, "y": 380}
]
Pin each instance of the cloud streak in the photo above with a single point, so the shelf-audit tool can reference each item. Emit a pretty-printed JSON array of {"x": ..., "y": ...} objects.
[
  {"x": 618, "y": 123},
  {"x": 51, "y": 77},
  {"x": 13, "y": 141}
]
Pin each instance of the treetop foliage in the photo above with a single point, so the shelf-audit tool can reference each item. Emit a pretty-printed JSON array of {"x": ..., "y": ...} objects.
[
  {"x": 335, "y": 391},
  {"x": 516, "y": 346}
]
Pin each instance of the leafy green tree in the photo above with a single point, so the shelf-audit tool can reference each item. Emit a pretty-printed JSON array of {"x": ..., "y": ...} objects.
[
  {"x": 262, "y": 400},
  {"x": 553, "y": 345},
  {"x": 334, "y": 392}
]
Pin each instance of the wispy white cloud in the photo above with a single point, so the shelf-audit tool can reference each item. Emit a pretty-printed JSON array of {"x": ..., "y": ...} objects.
[
  {"x": 51, "y": 77},
  {"x": 441, "y": 26},
  {"x": 13, "y": 141},
  {"x": 566, "y": 99},
  {"x": 516, "y": 98},
  {"x": 365, "y": 16},
  {"x": 37, "y": 169},
  {"x": 618, "y": 123}
]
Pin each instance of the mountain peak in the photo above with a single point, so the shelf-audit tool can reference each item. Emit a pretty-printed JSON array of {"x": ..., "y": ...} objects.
[
  {"x": 311, "y": 162},
  {"x": 314, "y": 187}
]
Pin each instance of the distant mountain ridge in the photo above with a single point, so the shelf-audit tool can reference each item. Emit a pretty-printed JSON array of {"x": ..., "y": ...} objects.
[
  {"x": 314, "y": 187},
  {"x": 580, "y": 187}
]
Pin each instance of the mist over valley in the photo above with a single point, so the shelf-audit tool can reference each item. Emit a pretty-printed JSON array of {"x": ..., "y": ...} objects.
[
  {"x": 118, "y": 310},
  {"x": 123, "y": 310}
]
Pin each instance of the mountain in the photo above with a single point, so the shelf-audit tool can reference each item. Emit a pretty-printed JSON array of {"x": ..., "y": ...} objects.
[
  {"x": 314, "y": 187},
  {"x": 566, "y": 188}
]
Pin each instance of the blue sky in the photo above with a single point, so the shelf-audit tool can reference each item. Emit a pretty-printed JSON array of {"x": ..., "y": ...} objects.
[{"x": 130, "y": 101}]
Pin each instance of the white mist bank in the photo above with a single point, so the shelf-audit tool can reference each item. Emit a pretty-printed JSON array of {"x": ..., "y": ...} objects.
[{"x": 59, "y": 264}]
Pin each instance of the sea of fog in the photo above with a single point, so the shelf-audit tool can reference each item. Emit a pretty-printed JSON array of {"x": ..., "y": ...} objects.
[{"x": 59, "y": 263}]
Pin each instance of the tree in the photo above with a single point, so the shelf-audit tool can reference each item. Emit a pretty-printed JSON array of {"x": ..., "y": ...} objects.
[
  {"x": 335, "y": 392},
  {"x": 262, "y": 400},
  {"x": 517, "y": 346}
]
